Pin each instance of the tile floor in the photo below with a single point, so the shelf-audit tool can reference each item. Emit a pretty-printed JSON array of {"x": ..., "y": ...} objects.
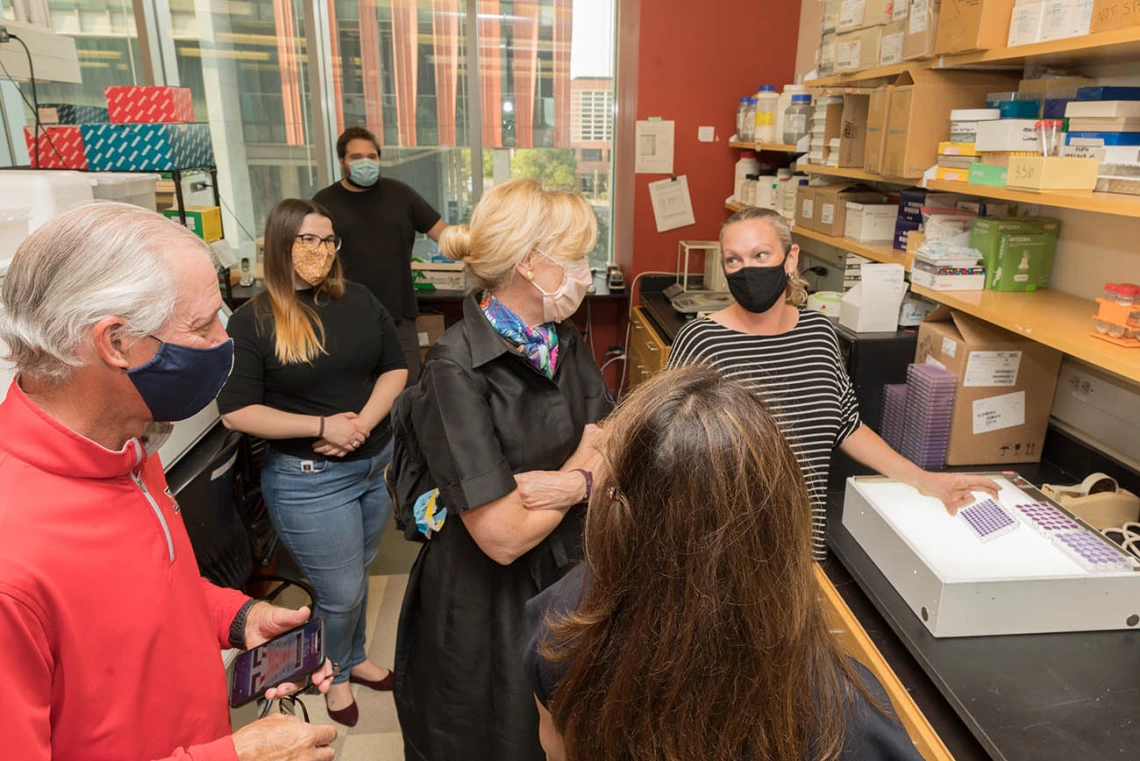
[{"x": 377, "y": 735}]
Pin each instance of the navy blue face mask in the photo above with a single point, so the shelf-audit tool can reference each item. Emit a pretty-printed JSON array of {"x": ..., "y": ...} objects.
[{"x": 180, "y": 380}]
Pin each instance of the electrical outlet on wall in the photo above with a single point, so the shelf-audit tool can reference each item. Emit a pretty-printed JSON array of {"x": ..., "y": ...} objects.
[{"x": 1100, "y": 408}]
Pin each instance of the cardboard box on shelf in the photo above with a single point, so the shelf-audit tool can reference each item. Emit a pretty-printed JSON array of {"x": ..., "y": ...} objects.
[
  {"x": 203, "y": 221},
  {"x": 921, "y": 29},
  {"x": 919, "y": 115},
  {"x": 891, "y": 48},
  {"x": 1007, "y": 135},
  {"x": 805, "y": 207},
  {"x": 1018, "y": 264},
  {"x": 858, "y": 50},
  {"x": 878, "y": 111},
  {"x": 1114, "y": 14},
  {"x": 867, "y": 222},
  {"x": 1005, "y": 391},
  {"x": 988, "y": 175},
  {"x": 149, "y": 105},
  {"x": 853, "y": 130},
  {"x": 859, "y": 14},
  {"x": 1026, "y": 23},
  {"x": 986, "y": 234},
  {"x": 60, "y": 147},
  {"x": 828, "y": 49},
  {"x": 1048, "y": 88},
  {"x": 831, "y": 14},
  {"x": 872, "y": 305},
  {"x": 1052, "y": 173},
  {"x": 965, "y": 25},
  {"x": 939, "y": 277},
  {"x": 429, "y": 327},
  {"x": 830, "y": 205},
  {"x": 443, "y": 277},
  {"x": 1066, "y": 18}
]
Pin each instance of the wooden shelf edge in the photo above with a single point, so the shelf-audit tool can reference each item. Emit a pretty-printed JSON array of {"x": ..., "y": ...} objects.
[
  {"x": 851, "y": 173},
  {"x": 1119, "y": 43},
  {"x": 1051, "y": 318},
  {"x": 883, "y": 253},
  {"x": 1116, "y": 204},
  {"x": 772, "y": 147}
]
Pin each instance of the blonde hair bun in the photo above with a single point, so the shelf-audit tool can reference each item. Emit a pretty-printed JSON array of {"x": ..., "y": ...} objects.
[{"x": 455, "y": 242}]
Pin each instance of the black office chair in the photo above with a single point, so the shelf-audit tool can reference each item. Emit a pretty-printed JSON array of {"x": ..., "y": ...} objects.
[{"x": 218, "y": 487}]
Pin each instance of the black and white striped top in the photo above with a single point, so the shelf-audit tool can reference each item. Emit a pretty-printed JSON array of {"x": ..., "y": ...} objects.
[{"x": 800, "y": 375}]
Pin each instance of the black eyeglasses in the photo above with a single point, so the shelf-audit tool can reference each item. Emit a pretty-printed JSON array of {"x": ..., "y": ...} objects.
[
  {"x": 312, "y": 241},
  {"x": 289, "y": 706}
]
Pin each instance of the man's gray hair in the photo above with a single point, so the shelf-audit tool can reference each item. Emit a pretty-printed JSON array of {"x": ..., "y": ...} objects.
[{"x": 96, "y": 261}]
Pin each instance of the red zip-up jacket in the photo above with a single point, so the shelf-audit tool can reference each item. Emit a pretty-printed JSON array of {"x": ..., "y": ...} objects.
[{"x": 110, "y": 639}]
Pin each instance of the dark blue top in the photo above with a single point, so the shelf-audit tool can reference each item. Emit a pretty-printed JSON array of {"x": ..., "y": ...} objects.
[{"x": 870, "y": 735}]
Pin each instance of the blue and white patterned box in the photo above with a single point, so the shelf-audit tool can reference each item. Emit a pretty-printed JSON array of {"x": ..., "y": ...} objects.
[{"x": 147, "y": 147}]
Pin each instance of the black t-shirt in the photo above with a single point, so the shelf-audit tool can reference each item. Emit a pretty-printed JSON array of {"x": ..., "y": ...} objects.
[
  {"x": 870, "y": 735},
  {"x": 378, "y": 228},
  {"x": 361, "y": 344}
]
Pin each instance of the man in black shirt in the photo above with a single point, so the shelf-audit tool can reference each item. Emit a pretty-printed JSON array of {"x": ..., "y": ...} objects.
[{"x": 377, "y": 219}]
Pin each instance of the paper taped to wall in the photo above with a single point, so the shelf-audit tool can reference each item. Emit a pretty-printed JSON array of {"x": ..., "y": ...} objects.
[
  {"x": 672, "y": 205},
  {"x": 654, "y": 147}
]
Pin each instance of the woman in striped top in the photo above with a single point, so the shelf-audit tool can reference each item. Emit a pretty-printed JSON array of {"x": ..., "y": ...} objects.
[{"x": 790, "y": 358}]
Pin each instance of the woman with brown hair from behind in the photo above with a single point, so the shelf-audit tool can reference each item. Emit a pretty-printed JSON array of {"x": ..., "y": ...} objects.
[{"x": 693, "y": 631}]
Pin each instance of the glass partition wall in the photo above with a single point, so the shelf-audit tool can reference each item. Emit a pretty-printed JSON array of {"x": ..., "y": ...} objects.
[{"x": 462, "y": 93}]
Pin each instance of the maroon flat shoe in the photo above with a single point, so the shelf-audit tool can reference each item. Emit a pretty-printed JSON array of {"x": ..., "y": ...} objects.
[
  {"x": 346, "y": 716},
  {"x": 382, "y": 685}
]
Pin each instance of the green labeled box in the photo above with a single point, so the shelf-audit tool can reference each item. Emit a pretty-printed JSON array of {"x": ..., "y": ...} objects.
[
  {"x": 986, "y": 174},
  {"x": 986, "y": 232},
  {"x": 1017, "y": 266}
]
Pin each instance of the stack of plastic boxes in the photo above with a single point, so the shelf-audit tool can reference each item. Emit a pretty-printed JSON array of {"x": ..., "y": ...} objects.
[
  {"x": 826, "y": 118},
  {"x": 894, "y": 414},
  {"x": 929, "y": 408},
  {"x": 1105, "y": 124}
]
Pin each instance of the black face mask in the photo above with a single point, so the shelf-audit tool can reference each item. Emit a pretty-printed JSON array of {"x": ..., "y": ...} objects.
[{"x": 758, "y": 289}]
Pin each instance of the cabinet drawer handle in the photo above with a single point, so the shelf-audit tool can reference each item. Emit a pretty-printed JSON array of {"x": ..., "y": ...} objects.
[{"x": 651, "y": 347}]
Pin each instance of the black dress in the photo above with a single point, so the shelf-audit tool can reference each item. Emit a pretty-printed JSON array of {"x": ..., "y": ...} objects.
[{"x": 479, "y": 415}]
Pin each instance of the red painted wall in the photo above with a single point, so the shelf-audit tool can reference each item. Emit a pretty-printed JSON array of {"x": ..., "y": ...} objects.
[{"x": 695, "y": 61}]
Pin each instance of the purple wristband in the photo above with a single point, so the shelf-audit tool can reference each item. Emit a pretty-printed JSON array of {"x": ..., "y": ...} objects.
[{"x": 589, "y": 481}]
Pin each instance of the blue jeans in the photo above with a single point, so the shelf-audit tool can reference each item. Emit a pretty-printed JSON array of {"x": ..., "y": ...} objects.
[{"x": 330, "y": 516}]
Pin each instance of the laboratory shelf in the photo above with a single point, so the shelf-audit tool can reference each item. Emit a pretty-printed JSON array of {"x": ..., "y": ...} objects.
[
  {"x": 1048, "y": 317},
  {"x": 774, "y": 147},
  {"x": 879, "y": 252},
  {"x": 853, "y": 173},
  {"x": 1117, "y": 46},
  {"x": 1117, "y": 204}
]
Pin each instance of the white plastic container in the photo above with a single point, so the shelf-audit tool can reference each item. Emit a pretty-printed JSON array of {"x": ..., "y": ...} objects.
[
  {"x": 766, "y": 187},
  {"x": 137, "y": 189},
  {"x": 766, "y": 99},
  {"x": 48, "y": 193},
  {"x": 747, "y": 164},
  {"x": 783, "y": 102},
  {"x": 13, "y": 230}
]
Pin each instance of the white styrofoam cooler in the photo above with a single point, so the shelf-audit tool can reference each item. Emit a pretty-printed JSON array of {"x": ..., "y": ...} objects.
[{"x": 958, "y": 586}]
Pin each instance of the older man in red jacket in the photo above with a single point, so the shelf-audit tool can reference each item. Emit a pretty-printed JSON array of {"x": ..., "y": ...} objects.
[{"x": 109, "y": 637}]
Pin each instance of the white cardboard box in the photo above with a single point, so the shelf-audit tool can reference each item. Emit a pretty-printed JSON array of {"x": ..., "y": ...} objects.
[
  {"x": 1008, "y": 135},
  {"x": 871, "y": 222},
  {"x": 444, "y": 276},
  {"x": 872, "y": 306}
]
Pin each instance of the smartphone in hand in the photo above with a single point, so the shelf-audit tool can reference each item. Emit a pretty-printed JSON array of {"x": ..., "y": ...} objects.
[{"x": 288, "y": 657}]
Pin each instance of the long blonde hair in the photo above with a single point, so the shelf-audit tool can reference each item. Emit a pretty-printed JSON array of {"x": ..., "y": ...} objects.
[
  {"x": 796, "y": 294},
  {"x": 515, "y": 220},
  {"x": 299, "y": 333}
]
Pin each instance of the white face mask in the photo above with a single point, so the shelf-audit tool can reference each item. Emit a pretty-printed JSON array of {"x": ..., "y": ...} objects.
[{"x": 566, "y": 299}]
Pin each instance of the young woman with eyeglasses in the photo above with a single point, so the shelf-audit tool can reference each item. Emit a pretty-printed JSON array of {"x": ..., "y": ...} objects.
[{"x": 317, "y": 365}]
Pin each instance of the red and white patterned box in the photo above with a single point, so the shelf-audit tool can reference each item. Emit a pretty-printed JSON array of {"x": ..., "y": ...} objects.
[
  {"x": 60, "y": 147},
  {"x": 149, "y": 105}
]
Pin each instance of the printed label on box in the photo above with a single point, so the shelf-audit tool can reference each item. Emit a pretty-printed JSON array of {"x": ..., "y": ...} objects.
[
  {"x": 423, "y": 337},
  {"x": 827, "y": 213},
  {"x": 949, "y": 347},
  {"x": 809, "y": 208},
  {"x": 899, "y": 11},
  {"x": 919, "y": 9},
  {"x": 851, "y": 13},
  {"x": 992, "y": 368},
  {"x": 998, "y": 412},
  {"x": 892, "y": 50},
  {"x": 930, "y": 360}
]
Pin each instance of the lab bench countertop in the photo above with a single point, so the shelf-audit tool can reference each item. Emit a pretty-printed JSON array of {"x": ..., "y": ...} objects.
[{"x": 1038, "y": 697}]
